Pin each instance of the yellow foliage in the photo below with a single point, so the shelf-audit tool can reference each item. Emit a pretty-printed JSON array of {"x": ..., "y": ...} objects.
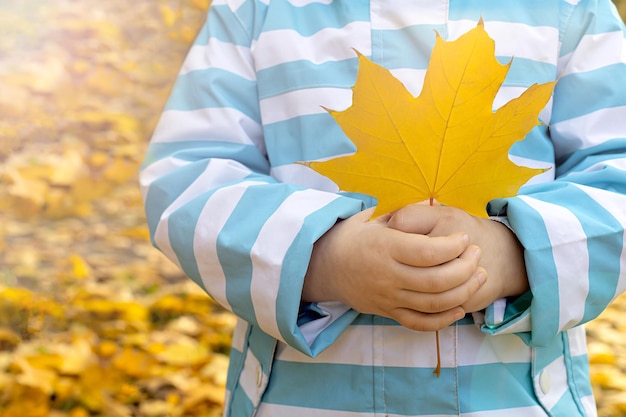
[
  {"x": 93, "y": 321},
  {"x": 170, "y": 15}
]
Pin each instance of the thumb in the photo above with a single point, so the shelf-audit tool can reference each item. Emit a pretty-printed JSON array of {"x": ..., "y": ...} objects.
[{"x": 417, "y": 218}]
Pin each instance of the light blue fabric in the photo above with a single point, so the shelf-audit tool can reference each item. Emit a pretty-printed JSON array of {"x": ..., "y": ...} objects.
[{"x": 226, "y": 201}]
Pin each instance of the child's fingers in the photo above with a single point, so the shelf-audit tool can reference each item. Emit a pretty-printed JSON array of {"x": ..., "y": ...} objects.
[
  {"x": 443, "y": 301},
  {"x": 419, "y": 321},
  {"x": 440, "y": 278},
  {"x": 420, "y": 250}
]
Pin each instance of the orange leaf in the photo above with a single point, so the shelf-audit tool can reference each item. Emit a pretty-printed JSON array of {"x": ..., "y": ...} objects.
[{"x": 447, "y": 144}]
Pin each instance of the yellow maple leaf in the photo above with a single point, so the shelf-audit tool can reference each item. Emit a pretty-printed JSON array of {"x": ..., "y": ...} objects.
[{"x": 447, "y": 144}]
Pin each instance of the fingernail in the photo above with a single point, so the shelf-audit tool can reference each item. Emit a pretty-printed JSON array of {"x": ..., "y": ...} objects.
[
  {"x": 458, "y": 315},
  {"x": 482, "y": 277},
  {"x": 477, "y": 252}
]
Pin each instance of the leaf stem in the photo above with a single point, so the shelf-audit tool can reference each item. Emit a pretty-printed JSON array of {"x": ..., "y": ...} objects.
[{"x": 437, "y": 370}]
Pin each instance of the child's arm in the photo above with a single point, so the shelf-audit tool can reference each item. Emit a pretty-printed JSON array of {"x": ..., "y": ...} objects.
[{"x": 420, "y": 281}]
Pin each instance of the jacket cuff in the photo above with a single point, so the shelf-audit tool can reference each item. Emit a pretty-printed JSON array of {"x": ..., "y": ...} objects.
[{"x": 508, "y": 316}]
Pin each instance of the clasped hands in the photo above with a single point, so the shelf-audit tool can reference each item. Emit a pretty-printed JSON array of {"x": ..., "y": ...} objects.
[{"x": 423, "y": 266}]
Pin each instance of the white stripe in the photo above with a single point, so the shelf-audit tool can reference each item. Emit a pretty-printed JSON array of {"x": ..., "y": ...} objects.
[
  {"x": 158, "y": 169},
  {"x": 558, "y": 385},
  {"x": 301, "y": 3},
  {"x": 352, "y": 347},
  {"x": 161, "y": 235},
  {"x": 337, "y": 45},
  {"x": 535, "y": 411},
  {"x": 545, "y": 176},
  {"x": 269, "y": 250},
  {"x": 618, "y": 163},
  {"x": 476, "y": 349},
  {"x": 214, "y": 215},
  {"x": 303, "y": 176},
  {"x": 221, "y": 55},
  {"x": 589, "y": 130},
  {"x": 209, "y": 124},
  {"x": 332, "y": 310},
  {"x": 233, "y": 4},
  {"x": 518, "y": 40},
  {"x": 624, "y": 51},
  {"x": 593, "y": 52},
  {"x": 248, "y": 378},
  {"x": 577, "y": 340},
  {"x": 569, "y": 250},
  {"x": 412, "y": 79},
  {"x": 590, "y": 406},
  {"x": 408, "y": 348},
  {"x": 508, "y": 93},
  {"x": 615, "y": 204},
  {"x": 304, "y": 102},
  {"x": 398, "y": 14},
  {"x": 276, "y": 410},
  {"x": 239, "y": 334},
  {"x": 216, "y": 172}
]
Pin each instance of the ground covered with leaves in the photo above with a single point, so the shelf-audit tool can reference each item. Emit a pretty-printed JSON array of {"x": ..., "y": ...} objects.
[{"x": 93, "y": 320}]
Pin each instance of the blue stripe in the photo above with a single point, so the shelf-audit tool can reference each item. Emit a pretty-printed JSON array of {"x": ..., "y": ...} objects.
[
  {"x": 213, "y": 88},
  {"x": 237, "y": 238},
  {"x": 417, "y": 391},
  {"x": 297, "y": 75},
  {"x": 284, "y": 15},
  {"x": 306, "y": 138},
  {"x": 166, "y": 189},
  {"x": 495, "y": 387},
  {"x": 604, "y": 246},
  {"x": 182, "y": 226},
  {"x": 580, "y": 160},
  {"x": 240, "y": 404},
  {"x": 566, "y": 406},
  {"x": 540, "y": 266},
  {"x": 406, "y": 391},
  {"x": 236, "y": 359},
  {"x": 223, "y": 25},
  {"x": 418, "y": 39},
  {"x": 194, "y": 151},
  {"x": 336, "y": 387},
  {"x": 589, "y": 18},
  {"x": 536, "y": 146},
  {"x": 366, "y": 320},
  {"x": 525, "y": 72},
  {"x": 580, "y": 375},
  {"x": 569, "y": 102}
]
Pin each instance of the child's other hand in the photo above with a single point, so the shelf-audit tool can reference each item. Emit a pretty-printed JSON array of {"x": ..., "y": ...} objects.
[
  {"x": 502, "y": 255},
  {"x": 418, "y": 280}
]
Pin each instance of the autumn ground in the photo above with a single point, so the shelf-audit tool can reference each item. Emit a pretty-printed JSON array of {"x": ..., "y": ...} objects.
[{"x": 93, "y": 321}]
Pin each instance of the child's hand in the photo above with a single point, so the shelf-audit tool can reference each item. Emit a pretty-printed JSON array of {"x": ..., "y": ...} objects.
[
  {"x": 417, "y": 280},
  {"x": 502, "y": 255}
]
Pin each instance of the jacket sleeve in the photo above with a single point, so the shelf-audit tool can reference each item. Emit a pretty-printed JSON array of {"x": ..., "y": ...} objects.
[
  {"x": 572, "y": 229},
  {"x": 211, "y": 202}
]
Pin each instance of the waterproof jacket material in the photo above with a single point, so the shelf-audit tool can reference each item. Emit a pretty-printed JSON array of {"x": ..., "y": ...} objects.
[{"x": 227, "y": 202}]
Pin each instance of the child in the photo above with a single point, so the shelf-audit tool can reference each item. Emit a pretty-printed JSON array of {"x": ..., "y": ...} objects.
[{"x": 336, "y": 313}]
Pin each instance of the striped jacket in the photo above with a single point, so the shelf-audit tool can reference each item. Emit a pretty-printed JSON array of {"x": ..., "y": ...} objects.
[{"x": 225, "y": 201}]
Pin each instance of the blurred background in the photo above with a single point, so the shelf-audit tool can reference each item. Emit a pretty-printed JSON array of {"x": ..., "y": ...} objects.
[{"x": 93, "y": 320}]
